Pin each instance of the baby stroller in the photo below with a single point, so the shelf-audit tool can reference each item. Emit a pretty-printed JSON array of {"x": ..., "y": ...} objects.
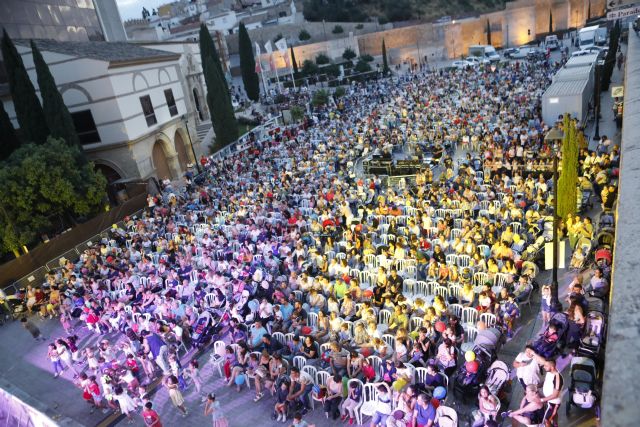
[
  {"x": 547, "y": 348},
  {"x": 466, "y": 387},
  {"x": 585, "y": 201},
  {"x": 605, "y": 237},
  {"x": 603, "y": 257},
  {"x": 594, "y": 333},
  {"x": 497, "y": 376},
  {"x": 582, "y": 391},
  {"x": 207, "y": 326},
  {"x": 606, "y": 219}
]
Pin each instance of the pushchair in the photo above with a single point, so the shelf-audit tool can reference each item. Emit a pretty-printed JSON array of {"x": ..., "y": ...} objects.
[
  {"x": 497, "y": 376},
  {"x": 466, "y": 387},
  {"x": 582, "y": 392},
  {"x": 594, "y": 333},
  {"x": 547, "y": 348},
  {"x": 207, "y": 326}
]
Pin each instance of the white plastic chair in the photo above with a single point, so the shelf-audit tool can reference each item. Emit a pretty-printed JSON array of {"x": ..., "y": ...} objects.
[
  {"x": 321, "y": 380},
  {"x": 369, "y": 402},
  {"x": 446, "y": 417},
  {"x": 469, "y": 316},
  {"x": 217, "y": 357},
  {"x": 383, "y": 316},
  {"x": 471, "y": 332},
  {"x": 299, "y": 361},
  {"x": 489, "y": 318}
]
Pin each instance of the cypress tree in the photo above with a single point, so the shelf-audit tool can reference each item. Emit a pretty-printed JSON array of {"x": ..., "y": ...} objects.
[
  {"x": 56, "y": 113},
  {"x": 568, "y": 180},
  {"x": 250, "y": 78},
  {"x": 589, "y": 11},
  {"x": 222, "y": 114},
  {"x": 385, "y": 63},
  {"x": 550, "y": 22},
  {"x": 9, "y": 141},
  {"x": 488, "y": 33},
  {"x": 208, "y": 48},
  {"x": 33, "y": 126},
  {"x": 293, "y": 61}
]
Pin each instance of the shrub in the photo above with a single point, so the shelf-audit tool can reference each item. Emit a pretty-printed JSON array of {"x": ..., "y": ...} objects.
[
  {"x": 362, "y": 66},
  {"x": 366, "y": 58},
  {"x": 321, "y": 97},
  {"x": 359, "y": 27},
  {"x": 337, "y": 29},
  {"x": 348, "y": 54},
  {"x": 278, "y": 37},
  {"x": 304, "y": 35},
  {"x": 340, "y": 91},
  {"x": 309, "y": 68},
  {"x": 297, "y": 113},
  {"x": 322, "y": 59}
]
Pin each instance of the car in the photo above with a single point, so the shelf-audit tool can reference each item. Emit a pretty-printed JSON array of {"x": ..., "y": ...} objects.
[
  {"x": 584, "y": 52},
  {"x": 462, "y": 64},
  {"x": 516, "y": 52},
  {"x": 477, "y": 60},
  {"x": 535, "y": 53}
]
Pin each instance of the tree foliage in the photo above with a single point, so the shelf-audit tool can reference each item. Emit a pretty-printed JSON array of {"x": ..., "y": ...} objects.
[
  {"x": 366, "y": 57},
  {"x": 218, "y": 96},
  {"x": 550, "y": 21},
  {"x": 250, "y": 78},
  {"x": 294, "y": 63},
  {"x": 385, "y": 63},
  {"x": 33, "y": 126},
  {"x": 322, "y": 59},
  {"x": 309, "y": 67},
  {"x": 41, "y": 184},
  {"x": 9, "y": 141},
  {"x": 320, "y": 98},
  {"x": 304, "y": 35},
  {"x": 56, "y": 112},
  {"x": 348, "y": 54},
  {"x": 610, "y": 59},
  {"x": 337, "y": 29},
  {"x": 488, "y": 33},
  {"x": 362, "y": 66},
  {"x": 568, "y": 181},
  {"x": 333, "y": 11},
  {"x": 297, "y": 113}
]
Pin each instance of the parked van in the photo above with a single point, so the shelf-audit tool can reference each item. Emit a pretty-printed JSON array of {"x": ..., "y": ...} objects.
[
  {"x": 484, "y": 51},
  {"x": 552, "y": 42}
]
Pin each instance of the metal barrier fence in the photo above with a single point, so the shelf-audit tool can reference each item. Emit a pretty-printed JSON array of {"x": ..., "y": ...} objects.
[{"x": 237, "y": 146}]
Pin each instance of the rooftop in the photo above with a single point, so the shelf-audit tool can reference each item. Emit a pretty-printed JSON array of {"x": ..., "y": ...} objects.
[{"x": 116, "y": 53}]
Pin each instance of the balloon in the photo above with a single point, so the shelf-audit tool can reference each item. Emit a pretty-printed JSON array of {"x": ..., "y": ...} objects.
[
  {"x": 240, "y": 380},
  {"x": 367, "y": 293},
  {"x": 306, "y": 330},
  {"x": 470, "y": 356},
  {"x": 472, "y": 366},
  {"x": 440, "y": 326},
  {"x": 440, "y": 393}
]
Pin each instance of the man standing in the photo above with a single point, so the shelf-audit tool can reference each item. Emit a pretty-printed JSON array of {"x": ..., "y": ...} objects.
[
  {"x": 552, "y": 392},
  {"x": 527, "y": 368},
  {"x": 33, "y": 329}
]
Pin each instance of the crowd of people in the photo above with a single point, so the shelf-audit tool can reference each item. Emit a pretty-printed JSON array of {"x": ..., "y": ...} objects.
[{"x": 322, "y": 281}]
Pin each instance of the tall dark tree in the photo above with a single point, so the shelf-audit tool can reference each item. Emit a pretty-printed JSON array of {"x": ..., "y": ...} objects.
[
  {"x": 488, "y": 33},
  {"x": 33, "y": 126},
  {"x": 294, "y": 62},
  {"x": 219, "y": 101},
  {"x": 56, "y": 112},
  {"x": 9, "y": 141},
  {"x": 385, "y": 62},
  {"x": 250, "y": 78},
  {"x": 208, "y": 48},
  {"x": 589, "y": 10},
  {"x": 550, "y": 21}
]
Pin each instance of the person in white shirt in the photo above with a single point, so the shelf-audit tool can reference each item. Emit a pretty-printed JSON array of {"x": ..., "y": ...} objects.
[{"x": 527, "y": 367}]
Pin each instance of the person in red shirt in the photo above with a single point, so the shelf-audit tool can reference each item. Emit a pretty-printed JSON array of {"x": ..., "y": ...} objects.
[{"x": 151, "y": 417}]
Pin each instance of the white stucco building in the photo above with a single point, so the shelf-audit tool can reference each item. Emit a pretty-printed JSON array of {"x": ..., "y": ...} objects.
[{"x": 136, "y": 108}]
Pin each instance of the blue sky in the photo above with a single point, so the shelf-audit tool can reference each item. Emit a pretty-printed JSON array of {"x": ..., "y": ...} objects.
[{"x": 132, "y": 9}]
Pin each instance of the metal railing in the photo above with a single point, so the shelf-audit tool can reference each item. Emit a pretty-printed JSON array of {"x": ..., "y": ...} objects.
[{"x": 238, "y": 145}]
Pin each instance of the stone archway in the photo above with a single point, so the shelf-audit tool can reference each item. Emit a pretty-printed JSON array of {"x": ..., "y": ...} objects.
[
  {"x": 110, "y": 173},
  {"x": 160, "y": 161},
  {"x": 181, "y": 149}
]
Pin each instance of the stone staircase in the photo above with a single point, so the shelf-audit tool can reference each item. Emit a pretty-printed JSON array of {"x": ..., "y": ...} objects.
[{"x": 202, "y": 128}]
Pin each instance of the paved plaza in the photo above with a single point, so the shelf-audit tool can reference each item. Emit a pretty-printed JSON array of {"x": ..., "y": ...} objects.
[{"x": 25, "y": 365}]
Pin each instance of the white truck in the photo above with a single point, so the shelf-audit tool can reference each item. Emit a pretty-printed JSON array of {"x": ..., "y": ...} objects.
[
  {"x": 484, "y": 51},
  {"x": 592, "y": 36},
  {"x": 552, "y": 42}
]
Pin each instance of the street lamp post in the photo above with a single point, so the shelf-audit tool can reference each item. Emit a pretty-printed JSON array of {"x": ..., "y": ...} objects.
[
  {"x": 596, "y": 136},
  {"x": 554, "y": 136},
  {"x": 185, "y": 120}
]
